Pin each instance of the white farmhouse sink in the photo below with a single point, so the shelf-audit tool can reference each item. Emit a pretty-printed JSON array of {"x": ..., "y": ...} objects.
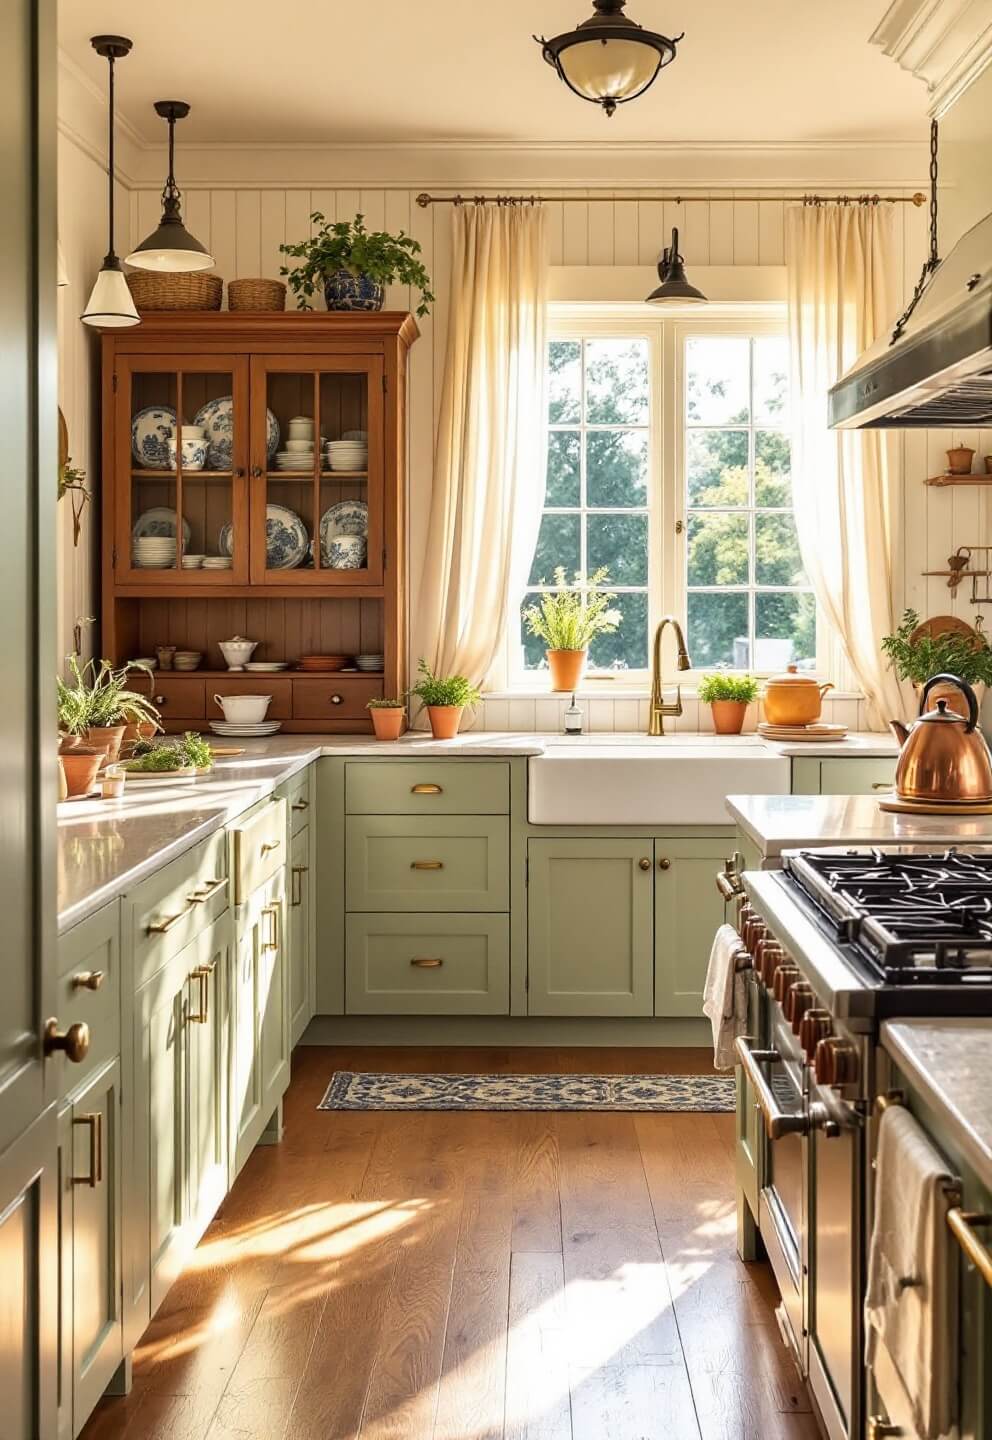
[{"x": 644, "y": 780}]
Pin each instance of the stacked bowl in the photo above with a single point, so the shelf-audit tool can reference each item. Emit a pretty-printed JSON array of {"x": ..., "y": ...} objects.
[
  {"x": 187, "y": 659},
  {"x": 155, "y": 552},
  {"x": 299, "y": 448},
  {"x": 348, "y": 453},
  {"x": 370, "y": 663}
]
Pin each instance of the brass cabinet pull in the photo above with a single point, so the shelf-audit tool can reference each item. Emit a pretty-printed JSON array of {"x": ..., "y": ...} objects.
[
  {"x": 202, "y": 975},
  {"x": 664, "y": 863},
  {"x": 269, "y": 845},
  {"x": 272, "y": 943},
  {"x": 296, "y": 884},
  {"x": 644, "y": 863},
  {"x": 426, "y": 790},
  {"x": 206, "y": 890},
  {"x": 427, "y": 962},
  {"x": 878, "y": 1427},
  {"x": 882, "y": 784},
  {"x": 301, "y": 804},
  {"x": 426, "y": 864},
  {"x": 88, "y": 980},
  {"x": 74, "y": 1042},
  {"x": 961, "y": 1224},
  {"x": 162, "y": 927},
  {"x": 94, "y": 1123}
]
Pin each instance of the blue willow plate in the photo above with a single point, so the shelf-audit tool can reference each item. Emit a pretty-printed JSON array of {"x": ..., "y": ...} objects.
[
  {"x": 217, "y": 418},
  {"x": 159, "y": 523},
  {"x": 151, "y": 431},
  {"x": 287, "y": 541},
  {"x": 347, "y": 517}
]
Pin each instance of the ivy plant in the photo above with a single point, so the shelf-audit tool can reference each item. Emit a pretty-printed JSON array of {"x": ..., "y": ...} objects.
[{"x": 347, "y": 245}]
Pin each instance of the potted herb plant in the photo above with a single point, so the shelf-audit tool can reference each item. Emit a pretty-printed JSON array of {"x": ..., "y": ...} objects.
[
  {"x": 354, "y": 265},
  {"x": 96, "y": 705},
  {"x": 568, "y": 619},
  {"x": 445, "y": 699},
  {"x": 728, "y": 697},
  {"x": 916, "y": 653},
  {"x": 387, "y": 717}
]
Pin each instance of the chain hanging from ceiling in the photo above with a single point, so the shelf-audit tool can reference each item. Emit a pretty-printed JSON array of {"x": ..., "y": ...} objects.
[{"x": 933, "y": 258}]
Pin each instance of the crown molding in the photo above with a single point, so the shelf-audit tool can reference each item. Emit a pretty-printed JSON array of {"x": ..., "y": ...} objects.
[
  {"x": 82, "y": 121},
  {"x": 945, "y": 43}
]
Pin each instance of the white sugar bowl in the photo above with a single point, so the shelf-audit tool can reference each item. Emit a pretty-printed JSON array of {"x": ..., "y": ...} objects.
[{"x": 238, "y": 651}]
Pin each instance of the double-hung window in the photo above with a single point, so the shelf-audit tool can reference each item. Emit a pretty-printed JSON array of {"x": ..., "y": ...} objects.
[{"x": 668, "y": 464}]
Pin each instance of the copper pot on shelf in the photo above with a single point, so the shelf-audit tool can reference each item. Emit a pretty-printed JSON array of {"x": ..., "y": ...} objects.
[{"x": 944, "y": 758}]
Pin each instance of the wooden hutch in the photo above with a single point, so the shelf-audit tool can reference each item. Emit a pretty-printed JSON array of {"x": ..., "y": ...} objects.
[{"x": 347, "y": 372}]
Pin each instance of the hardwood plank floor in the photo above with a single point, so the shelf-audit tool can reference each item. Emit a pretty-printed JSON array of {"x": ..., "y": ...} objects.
[{"x": 483, "y": 1276}]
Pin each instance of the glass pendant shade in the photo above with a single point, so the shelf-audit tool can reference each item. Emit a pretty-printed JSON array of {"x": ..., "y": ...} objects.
[
  {"x": 111, "y": 303},
  {"x": 171, "y": 247},
  {"x": 674, "y": 288},
  {"x": 608, "y": 59}
]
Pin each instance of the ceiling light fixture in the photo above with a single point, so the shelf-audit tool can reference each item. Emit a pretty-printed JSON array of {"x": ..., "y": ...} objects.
[
  {"x": 110, "y": 301},
  {"x": 171, "y": 247},
  {"x": 674, "y": 288},
  {"x": 609, "y": 59}
]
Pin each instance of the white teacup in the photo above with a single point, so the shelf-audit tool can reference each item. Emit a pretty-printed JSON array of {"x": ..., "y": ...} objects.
[{"x": 244, "y": 709}]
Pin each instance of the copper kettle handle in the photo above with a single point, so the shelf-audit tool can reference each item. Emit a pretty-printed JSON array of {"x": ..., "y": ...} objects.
[{"x": 966, "y": 691}]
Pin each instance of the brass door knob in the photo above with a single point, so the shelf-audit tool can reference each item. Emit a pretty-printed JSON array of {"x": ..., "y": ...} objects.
[
  {"x": 664, "y": 863},
  {"x": 336, "y": 700},
  {"x": 74, "y": 1041},
  {"x": 644, "y": 863},
  {"x": 87, "y": 980}
]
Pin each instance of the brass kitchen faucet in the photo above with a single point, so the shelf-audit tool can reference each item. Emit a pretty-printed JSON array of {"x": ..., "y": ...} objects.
[{"x": 658, "y": 709}]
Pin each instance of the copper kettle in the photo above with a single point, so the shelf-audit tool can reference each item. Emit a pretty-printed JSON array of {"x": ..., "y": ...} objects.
[{"x": 944, "y": 757}]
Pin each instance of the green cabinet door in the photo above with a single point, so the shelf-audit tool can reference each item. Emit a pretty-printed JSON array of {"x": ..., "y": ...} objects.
[
  {"x": 590, "y": 927},
  {"x": 260, "y": 1015},
  {"x": 688, "y": 910},
  {"x": 851, "y": 776},
  {"x": 301, "y": 912},
  {"x": 207, "y": 1043}
]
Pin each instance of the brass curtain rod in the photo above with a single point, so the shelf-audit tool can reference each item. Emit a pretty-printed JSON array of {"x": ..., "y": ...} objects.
[{"x": 425, "y": 199}]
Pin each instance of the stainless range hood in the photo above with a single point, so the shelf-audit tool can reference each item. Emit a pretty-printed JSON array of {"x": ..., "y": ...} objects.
[{"x": 938, "y": 373}]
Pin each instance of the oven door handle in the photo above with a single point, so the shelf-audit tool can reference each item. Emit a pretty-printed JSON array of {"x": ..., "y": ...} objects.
[{"x": 777, "y": 1121}]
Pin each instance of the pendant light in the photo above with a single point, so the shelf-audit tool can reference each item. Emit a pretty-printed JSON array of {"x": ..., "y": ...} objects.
[
  {"x": 609, "y": 59},
  {"x": 171, "y": 247},
  {"x": 111, "y": 303},
  {"x": 674, "y": 287}
]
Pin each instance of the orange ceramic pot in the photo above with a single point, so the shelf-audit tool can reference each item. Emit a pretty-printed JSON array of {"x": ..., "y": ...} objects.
[
  {"x": 728, "y": 716},
  {"x": 566, "y": 668},
  {"x": 81, "y": 765},
  {"x": 793, "y": 699},
  {"x": 108, "y": 736},
  {"x": 388, "y": 724},
  {"x": 959, "y": 460},
  {"x": 445, "y": 720}
]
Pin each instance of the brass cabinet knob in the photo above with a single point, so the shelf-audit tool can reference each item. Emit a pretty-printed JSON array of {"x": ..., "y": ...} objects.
[
  {"x": 160, "y": 700},
  {"x": 427, "y": 962},
  {"x": 644, "y": 863},
  {"x": 74, "y": 1041},
  {"x": 257, "y": 472},
  {"x": 664, "y": 863},
  {"x": 88, "y": 980},
  {"x": 301, "y": 804},
  {"x": 336, "y": 700}
]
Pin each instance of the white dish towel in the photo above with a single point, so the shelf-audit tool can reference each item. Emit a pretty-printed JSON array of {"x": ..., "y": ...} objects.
[
  {"x": 911, "y": 1304},
  {"x": 725, "y": 996}
]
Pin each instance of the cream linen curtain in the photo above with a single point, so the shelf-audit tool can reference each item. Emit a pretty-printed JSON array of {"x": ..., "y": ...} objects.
[
  {"x": 488, "y": 459},
  {"x": 842, "y": 294}
]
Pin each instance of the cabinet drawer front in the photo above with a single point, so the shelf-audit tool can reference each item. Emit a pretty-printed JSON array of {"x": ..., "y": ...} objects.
[
  {"x": 259, "y": 847},
  {"x": 456, "y": 863},
  {"x": 392, "y": 965},
  {"x": 331, "y": 698},
  {"x": 167, "y": 910},
  {"x": 179, "y": 697},
  {"x": 280, "y": 707},
  {"x": 89, "y": 990},
  {"x": 298, "y": 795},
  {"x": 856, "y": 777},
  {"x": 427, "y": 787}
]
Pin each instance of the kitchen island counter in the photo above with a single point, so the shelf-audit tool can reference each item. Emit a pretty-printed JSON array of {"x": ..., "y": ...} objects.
[
  {"x": 788, "y": 822},
  {"x": 947, "y": 1061}
]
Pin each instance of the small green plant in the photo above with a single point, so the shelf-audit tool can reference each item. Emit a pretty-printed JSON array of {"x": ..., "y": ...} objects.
[
  {"x": 96, "y": 694},
  {"x": 347, "y": 245},
  {"x": 431, "y": 689},
  {"x": 72, "y": 482},
  {"x": 379, "y": 702},
  {"x": 967, "y": 656},
  {"x": 166, "y": 755},
  {"x": 569, "y": 618},
  {"x": 723, "y": 686}
]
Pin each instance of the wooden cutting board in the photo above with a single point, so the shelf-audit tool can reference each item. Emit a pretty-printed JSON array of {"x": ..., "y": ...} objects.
[
  {"x": 928, "y": 807},
  {"x": 943, "y": 625},
  {"x": 803, "y": 732}
]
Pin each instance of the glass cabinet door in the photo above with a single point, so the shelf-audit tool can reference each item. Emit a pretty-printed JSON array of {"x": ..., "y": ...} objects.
[
  {"x": 317, "y": 470},
  {"x": 182, "y": 447}
]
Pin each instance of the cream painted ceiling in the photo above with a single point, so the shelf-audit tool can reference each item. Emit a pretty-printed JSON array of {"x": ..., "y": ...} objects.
[{"x": 340, "y": 72}]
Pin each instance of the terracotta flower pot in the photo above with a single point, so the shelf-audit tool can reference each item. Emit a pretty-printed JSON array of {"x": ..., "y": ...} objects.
[
  {"x": 445, "y": 720},
  {"x": 566, "y": 668},
  {"x": 959, "y": 460},
  {"x": 81, "y": 765},
  {"x": 108, "y": 736},
  {"x": 388, "y": 724},
  {"x": 728, "y": 716},
  {"x": 145, "y": 730}
]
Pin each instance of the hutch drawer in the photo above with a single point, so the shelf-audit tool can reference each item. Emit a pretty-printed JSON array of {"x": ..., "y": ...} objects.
[
  {"x": 182, "y": 697},
  {"x": 330, "y": 699}
]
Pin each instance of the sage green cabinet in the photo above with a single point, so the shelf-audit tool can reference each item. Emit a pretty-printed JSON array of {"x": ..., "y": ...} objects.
[
  {"x": 590, "y": 927},
  {"x": 843, "y": 776},
  {"x": 454, "y": 862},
  {"x": 427, "y": 785},
  {"x": 428, "y": 965},
  {"x": 260, "y": 1015},
  {"x": 302, "y": 922},
  {"x": 208, "y": 1038},
  {"x": 687, "y": 913}
]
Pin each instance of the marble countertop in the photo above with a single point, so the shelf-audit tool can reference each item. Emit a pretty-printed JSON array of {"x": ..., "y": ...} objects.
[
  {"x": 947, "y": 1061},
  {"x": 862, "y": 745},
  {"x": 784, "y": 822}
]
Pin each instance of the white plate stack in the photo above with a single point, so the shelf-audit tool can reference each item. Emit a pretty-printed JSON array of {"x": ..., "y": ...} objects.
[
  {"x": 370, "y": 663},
  {"x": 155, "y": 552},
  {"x": 257, "y": 731},
  {"x": 297, "y": 454},
  {"x": 348, "y": 454},
  {"x": 217, "y": 562}
]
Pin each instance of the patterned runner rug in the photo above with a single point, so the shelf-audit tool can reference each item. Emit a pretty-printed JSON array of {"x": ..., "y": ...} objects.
[{"x": 351, "y": 1090}]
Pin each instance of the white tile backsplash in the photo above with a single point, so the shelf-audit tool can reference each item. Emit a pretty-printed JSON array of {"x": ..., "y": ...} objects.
[{"x": 545, "y": 714}]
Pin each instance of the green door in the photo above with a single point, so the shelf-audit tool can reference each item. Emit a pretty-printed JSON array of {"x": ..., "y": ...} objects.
[
  {"x": 160, "y": 1119},
  {"x": 260, "y": 1015},
  {"x": 688, "y": 910},
  {"x": 206, "y": 1106},
  {"x": 590, "y": 927},
  {"x": 301, "y": 911}
]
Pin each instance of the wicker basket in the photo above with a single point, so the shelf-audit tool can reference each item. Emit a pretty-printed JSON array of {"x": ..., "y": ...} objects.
[
  {"x": 256, "y": 295},
  {"x": 175, "y": 290}
]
